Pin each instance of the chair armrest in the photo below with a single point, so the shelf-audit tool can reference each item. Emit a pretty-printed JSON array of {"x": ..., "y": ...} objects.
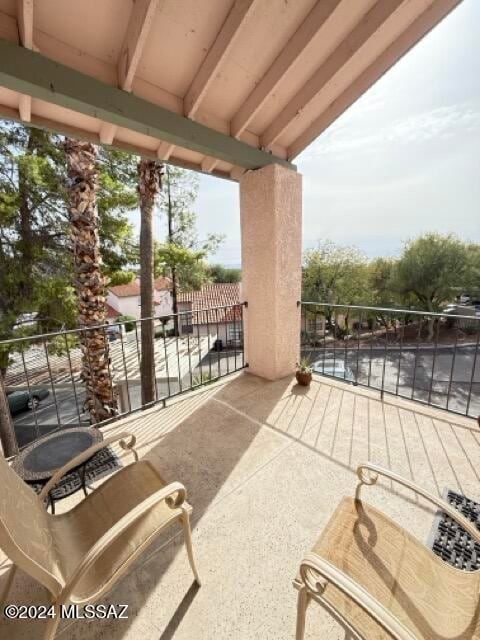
[
  {"x": 174, "y": 495},
  {"x": 85, "y": 455},
  {"x": 316, "y": 573},
  {"x": 375, "y": 471}
]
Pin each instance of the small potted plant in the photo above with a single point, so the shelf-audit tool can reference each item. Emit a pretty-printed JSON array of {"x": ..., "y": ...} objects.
[{"x": 304, "y": 372}]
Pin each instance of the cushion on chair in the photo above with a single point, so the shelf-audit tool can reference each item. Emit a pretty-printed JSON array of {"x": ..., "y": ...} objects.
[
  {"x": 76, "y": 531},
  {"x": 433, "y": 599}
]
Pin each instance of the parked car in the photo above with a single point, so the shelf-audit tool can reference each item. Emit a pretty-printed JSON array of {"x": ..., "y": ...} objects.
[
  {"x": 26, "y": 320},
  {"x": 335, "y": 368},
  {"x": 115, "y": 332},
  {"x": 21, "y": 400},
  {"x": 450, "y": 308}
]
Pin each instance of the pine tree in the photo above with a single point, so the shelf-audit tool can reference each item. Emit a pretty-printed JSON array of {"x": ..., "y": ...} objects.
[{"x": 36, "y": 269}]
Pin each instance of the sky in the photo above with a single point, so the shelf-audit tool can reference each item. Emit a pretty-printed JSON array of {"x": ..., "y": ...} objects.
[{"x": 403, "y": 160}]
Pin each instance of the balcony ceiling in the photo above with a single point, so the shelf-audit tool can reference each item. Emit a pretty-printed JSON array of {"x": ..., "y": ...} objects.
[{"x": 272, "y": 74}]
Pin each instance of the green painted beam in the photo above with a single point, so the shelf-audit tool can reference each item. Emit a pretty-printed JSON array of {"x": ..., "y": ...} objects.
[
  {"x": 38, "y": 122},
  {"x": 33, "y": 74}
]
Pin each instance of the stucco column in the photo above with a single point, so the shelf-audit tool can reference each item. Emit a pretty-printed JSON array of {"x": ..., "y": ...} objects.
[{"x": 271, "y": 222}]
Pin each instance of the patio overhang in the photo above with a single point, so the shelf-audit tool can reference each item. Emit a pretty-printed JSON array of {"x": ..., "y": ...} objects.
[{"x": 235, "y": 86}]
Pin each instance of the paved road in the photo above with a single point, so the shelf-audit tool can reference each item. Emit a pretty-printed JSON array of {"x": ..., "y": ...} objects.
[
  {"x": 423, "y": 375},
  {"x": 64, "y": 404}
]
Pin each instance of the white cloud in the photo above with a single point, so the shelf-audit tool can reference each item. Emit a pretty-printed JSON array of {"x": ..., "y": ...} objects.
[{"x": 421, "y": 127}]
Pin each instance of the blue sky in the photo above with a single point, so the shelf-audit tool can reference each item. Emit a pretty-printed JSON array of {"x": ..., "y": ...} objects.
[{"x": 404, "y": 159}]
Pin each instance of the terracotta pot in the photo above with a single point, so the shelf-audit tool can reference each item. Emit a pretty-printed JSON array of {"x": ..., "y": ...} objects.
[{"x": 304, "y": 378}]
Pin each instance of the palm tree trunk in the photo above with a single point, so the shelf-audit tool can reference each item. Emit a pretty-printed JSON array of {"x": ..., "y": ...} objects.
[
  {"x": 174, "y": 270},
  {"x": 149, "y": 184},
  {"x": 101, "y": 400}
]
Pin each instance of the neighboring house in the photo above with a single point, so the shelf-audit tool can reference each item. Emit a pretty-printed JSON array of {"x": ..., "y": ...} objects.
[
  {"x": 124, "y": 299},
  {"x": 312, "y": 324},
  {"x": 221, "y": 323}
]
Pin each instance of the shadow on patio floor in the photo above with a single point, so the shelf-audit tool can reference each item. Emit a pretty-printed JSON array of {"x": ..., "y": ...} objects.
[{"x": 198, "y": 443}]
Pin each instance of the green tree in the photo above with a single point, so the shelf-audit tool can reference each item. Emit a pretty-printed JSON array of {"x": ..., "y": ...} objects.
[
  {"x": 219, "y": 273},
  {"x": 181, "y": 257},
  {"x": 380, "y": 274},
  {"x": 116, "y": 196},
  {"x": 35, "y": 256},
  {"x": 472, "y": 281},
  {"x": 33, "y": 224},
  {"x": 36, "y": 270},
  {"x": 33, "y": 246},
  {"x": 189, "y": 263},
  {"x": 337, "y": 275},
  {"x": 381, "y": 291},
  {"x": 121, "y": 277},
  {"x": 432, "y": 269}
]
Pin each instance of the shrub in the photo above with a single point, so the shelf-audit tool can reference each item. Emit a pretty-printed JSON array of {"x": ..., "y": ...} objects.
[
  {"x": 129, "y": 322},
  {"x": 201, "y": 378}
]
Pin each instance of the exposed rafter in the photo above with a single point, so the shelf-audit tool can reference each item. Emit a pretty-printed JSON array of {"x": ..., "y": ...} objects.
[
  {"x": 66, "y": 130},
  {"x": 139, "y": 25},
  {"x": 164, "y": 151},
  {"x": 25, "y": 32},
  {"x": 209, "y": 164},
  {"x": 368, "y": 25},
  {"x": 420, "y": 27},
  {"x": 29, "y": 72},
  {"x": 216, "y": 55},
  {"x": 288, "y": 56},
  {"x": 299, "y": 55},
  {"x": 107, "y": 132}
]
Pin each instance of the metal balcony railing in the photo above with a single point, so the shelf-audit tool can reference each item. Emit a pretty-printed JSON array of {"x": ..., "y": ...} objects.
[
  {"x": 45, "y": 377},
  {"x": 428, "y": 357}
]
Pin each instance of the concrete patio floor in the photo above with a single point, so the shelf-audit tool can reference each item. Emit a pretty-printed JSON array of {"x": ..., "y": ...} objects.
[{"x": 265, "y": 464}]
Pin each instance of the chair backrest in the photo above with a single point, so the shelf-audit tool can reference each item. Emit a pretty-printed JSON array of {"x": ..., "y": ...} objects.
[{"x": 25, "y": 535}]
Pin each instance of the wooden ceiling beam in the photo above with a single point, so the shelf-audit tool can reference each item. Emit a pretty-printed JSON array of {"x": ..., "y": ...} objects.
[
  {"x": 415, "y": 32},
  {"x": 25, "y": 33},
  {"x": 81, "y": 134},
  {"x": 209, "y": 164},
  {"x": 139, "y": 25},
  {"x": 216, "y": 55},
  {"x": 357, "y": 38},
  {"x": 284, "y": 61},
  {"x": 164, "y": 151},
  {"x": 40, "y": 77}
]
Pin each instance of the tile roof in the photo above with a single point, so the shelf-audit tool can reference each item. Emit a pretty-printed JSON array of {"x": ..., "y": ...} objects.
[
  {"x": 111, "y": 312},
  {"x": 224, "y": 294},
  {"x": 126, "y": 290},
  {"x": 162, "y": 283},
  {"x": 133, "y": 288}
]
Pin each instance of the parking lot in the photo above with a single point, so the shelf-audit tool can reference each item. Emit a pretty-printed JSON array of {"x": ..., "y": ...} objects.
[{"x": 438, "y": 377}]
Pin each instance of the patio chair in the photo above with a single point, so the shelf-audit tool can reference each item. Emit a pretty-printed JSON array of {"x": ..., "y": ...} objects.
[
  {"x": 379, "y": 582},
  {"x": 80, "y": 554}
]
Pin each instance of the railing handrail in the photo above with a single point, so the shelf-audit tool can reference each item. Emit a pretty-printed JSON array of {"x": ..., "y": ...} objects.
[
  {"x": 396, "y": 334},
  {"x": 186, "y": 354},
  {"x": 62, "y": 332},
  {"x": 389, "y": 310}
]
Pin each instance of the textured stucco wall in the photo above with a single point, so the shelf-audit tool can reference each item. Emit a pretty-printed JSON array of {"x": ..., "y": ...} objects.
[
  {"x": 130, "y": 305},
  {"x": 127, "y": 306},
  {"x": 271, "y": 224}
]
